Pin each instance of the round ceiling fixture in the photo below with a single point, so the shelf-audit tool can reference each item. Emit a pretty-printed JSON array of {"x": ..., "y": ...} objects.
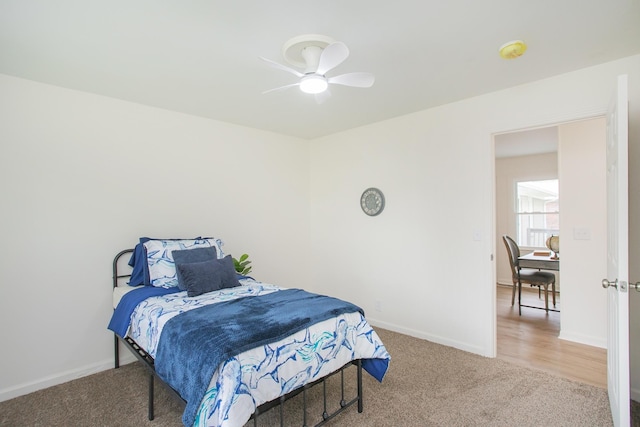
[
  {"x": 512, "y": 49},
  {"x": 313, "y": 84},
  {"x": 294, "y": 49}
]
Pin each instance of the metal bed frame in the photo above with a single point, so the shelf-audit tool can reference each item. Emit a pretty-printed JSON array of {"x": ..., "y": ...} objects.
[{"x": 149, "y": 363}]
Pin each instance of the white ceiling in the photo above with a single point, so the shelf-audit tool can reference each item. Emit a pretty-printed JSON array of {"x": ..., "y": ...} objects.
[
  {"x": 527, "y": 142},
  {"x": 200, "y": 57}
]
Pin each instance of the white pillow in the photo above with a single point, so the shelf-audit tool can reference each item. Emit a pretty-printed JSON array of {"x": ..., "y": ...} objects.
[{"x": 162, "y": 269}]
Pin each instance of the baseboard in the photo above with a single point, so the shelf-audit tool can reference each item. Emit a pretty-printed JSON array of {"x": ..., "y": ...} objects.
[
  {"x": 583, "y": 339},
  {"x": 429, "y": 337},
  {"x": 63, "y": 377}
]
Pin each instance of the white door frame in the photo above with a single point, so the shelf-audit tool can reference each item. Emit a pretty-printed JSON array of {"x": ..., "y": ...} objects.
[{"x": 553, "y": 121}]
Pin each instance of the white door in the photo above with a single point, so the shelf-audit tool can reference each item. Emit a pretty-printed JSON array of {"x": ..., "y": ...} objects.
[{"x": 618, "y": 256}]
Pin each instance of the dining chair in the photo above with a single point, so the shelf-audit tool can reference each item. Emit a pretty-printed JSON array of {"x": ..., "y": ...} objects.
[{"x": 541, "y": 279}]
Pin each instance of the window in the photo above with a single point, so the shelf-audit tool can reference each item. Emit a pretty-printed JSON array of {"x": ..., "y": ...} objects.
[{"x": 537, "y": 212}]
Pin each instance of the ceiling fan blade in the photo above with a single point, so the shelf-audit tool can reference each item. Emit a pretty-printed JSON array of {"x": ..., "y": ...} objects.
[
  {"x": 353, "y": 79},
  {"x": 279, "y": 66},
  {"x": 332, "y": 56},
  {"x": 281, "y": 88}
]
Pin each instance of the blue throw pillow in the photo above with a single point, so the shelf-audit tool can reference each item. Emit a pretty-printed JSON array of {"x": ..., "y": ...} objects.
[
  {"x": 200, "y": 277},
  {"x": 207, "y": 276},
  {"x": 188, "y": 256},
  {"x": 229, "y": 274}
]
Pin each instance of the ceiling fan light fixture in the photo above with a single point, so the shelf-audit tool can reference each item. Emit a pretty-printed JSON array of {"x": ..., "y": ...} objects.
[
  {"x": 313, "y": 84},
  {"x": 319, "y": 55},
  {"x": 512, "y": 49}
]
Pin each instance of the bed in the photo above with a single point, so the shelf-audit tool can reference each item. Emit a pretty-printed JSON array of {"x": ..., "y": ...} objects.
[{"x": 231, "y": 347}]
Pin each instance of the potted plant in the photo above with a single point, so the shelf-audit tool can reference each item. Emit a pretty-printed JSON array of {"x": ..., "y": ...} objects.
[{"x": 242, "y": 264}]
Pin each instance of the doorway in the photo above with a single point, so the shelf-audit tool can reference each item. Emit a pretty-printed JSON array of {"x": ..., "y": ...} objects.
[
  {"x": 530, "y": 155},
  {"x": 570, "y": 152}
]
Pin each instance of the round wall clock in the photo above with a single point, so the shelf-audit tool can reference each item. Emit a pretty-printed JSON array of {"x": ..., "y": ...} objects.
[{"x": 372, "y": 201}]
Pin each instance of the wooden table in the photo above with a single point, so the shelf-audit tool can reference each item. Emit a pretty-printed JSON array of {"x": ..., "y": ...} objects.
[{"x": 540, "y": 262}]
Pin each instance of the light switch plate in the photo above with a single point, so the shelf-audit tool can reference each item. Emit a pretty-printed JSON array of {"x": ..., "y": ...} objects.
[{"x": 581, "y": 234}]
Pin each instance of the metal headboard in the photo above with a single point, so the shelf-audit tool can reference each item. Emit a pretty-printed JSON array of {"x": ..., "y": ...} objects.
[{"x": 117, "y": 276}]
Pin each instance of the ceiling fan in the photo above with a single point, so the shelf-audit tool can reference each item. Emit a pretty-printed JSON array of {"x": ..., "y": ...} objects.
[{"x": 317, "y": 55}]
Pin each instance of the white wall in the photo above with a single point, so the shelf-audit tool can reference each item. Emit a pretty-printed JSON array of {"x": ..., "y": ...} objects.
[
  {"x": 510, "y": 170},
  {"x": 583, "y": 198},
  {"x": 420, "y": 257},
  {"x": 83, "y": 176}
]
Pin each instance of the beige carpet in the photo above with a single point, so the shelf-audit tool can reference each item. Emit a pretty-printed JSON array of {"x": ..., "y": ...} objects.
[{"x": 427, "y": 385}]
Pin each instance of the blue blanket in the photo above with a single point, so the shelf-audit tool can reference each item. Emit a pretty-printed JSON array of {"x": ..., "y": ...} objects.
[
  {"x": 121, "y": 317},
  {"x": 195, "y": 343}
]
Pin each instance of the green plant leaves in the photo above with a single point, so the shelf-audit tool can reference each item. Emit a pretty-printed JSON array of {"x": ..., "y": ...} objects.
[{"x": 242, "y": 264}]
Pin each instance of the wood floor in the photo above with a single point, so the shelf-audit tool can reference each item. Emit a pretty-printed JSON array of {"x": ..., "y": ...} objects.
[{"x": 532, "y": 340}]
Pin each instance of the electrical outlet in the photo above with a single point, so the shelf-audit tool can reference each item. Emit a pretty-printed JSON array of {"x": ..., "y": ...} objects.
[{"x": 378, "y": 305}]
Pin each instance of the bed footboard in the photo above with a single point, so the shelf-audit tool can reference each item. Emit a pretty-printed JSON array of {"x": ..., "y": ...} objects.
[
  {"x": 344, "y": 404},
  {"x": 148, "y": 362}
]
